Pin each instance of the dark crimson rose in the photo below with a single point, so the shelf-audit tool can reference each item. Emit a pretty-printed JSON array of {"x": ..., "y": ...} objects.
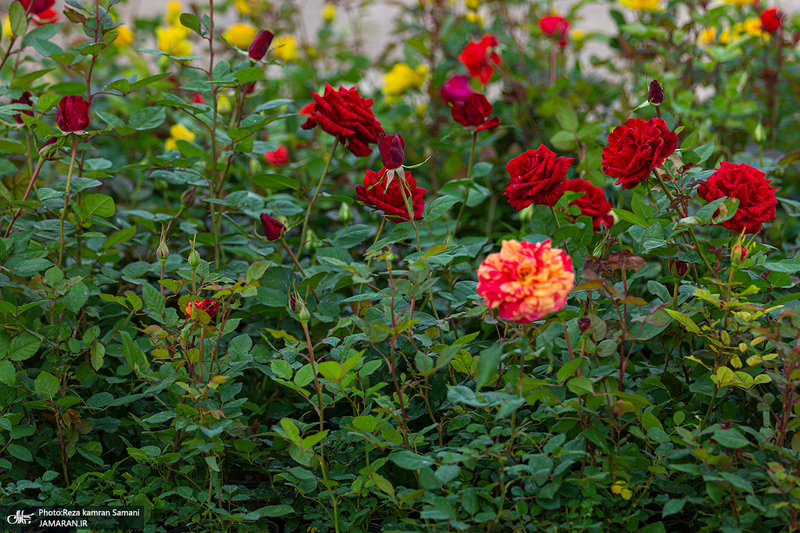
[
  {"x": 478, "y": 55},
  {"x": 537, "y": 177},
  {"x": 26, "y": 100},
  {"x": 258, "y": 48},
  {"x": 584, "y": 323},
  {"x": 208, "y": 305},
  {"x": 392, "y": 148},
  {"x": 678, "y": 268},
  {"x": 456, "y": 90},
  {"x": 72, "y": 114},
  {"x": 756, "y": 196},
  {"x": 374, "y": 193},
  {"x": 655, "y": 95},
  {"x": 306, "y": 110},
  {"x": 273, "y": 229},
  {"x": 771, "y": 19},
  {"x": 636, "y": 148},
  {"x": 278, "y": 158},
  {"x": 475, "y": 112},
  {"x": 37, "y": 7},
  {"x": 592, "y": 204},
  {"x": 348, "y": 116},
  {"x": 555, "y": 26}
]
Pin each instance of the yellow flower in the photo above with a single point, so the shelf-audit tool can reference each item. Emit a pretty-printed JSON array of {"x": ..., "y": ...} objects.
[
  {"x": 472, "y": 16},
  {"x": 739, "y": 2},
  {"x": 752, "y": 26},
  {"x": 402, "y": 78},
  {"x": 472, "y": 4},
  {"x": 223, "y": 104},
  {"x": 173, "y": 15},
  {"x": 708, "y": 35},
  {"x": 6, "y": 25},
  {"x": 124, "y": 36},
  {"x": 244, "y": 7},
  {"x": 174, "y": 40},
  {"x": 285, "y": 47},
  {"x": 240, "y": 34},
  {"x": 577, "y": 35},
  {"x": 328, "y": 12},
  {"x": 640, "y": 5},
  {"x": 179, "y": 132},
  {"x": 626, "y": 494},
  {"x": 621, "y": 488}
]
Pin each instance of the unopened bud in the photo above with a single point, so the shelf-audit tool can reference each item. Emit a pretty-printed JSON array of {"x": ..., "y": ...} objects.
[
  {"x": 162, "y": 252},
  {"x": 526, "y": 214},
  {"x": 584, "y": 323},
  {"x": 758, "y": 134},
  {"x": 53, "y": 149},
  {"x": 194, "y": 260},
  {"x": 678, "y": 268},
  {"x": 738, "y": 254},
  {"x": 312, "y": 243},
  {"x": 344, "y": 213},
  {"x": 298, "y": 307},
  {"x": 188, "y": 196},
  {"x": 656, "y": 93}
]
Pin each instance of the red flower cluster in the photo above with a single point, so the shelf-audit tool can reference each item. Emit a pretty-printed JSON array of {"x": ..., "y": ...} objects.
[
  {"x": 555, "y": 26},
  {"x": 771, "y": 19},
  {"x": 478, "y": 56},
  {"x": 390, "y": 200},
  {"x": 72, "y": 114},
  {"x": 636, "y": 148},
  {"x": 208, "y": 305},
  {"x": 348, "y": 116},
  {"x": 592, "y": 204},
  {"x": 756, "y": 196},
  {"x": 475, "y": 113},
  {"x": 279, "y": 158},
  {"x": 537, "y": 177}
]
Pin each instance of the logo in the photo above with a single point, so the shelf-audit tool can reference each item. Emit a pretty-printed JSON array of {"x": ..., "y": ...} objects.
[{"x": 19, "y": 518}]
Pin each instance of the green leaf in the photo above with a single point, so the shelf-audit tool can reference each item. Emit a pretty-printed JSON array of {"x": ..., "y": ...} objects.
[
  {"x": 627, "y": 216},
  {"x": 730, "y": 438},
  {"x": 409, "y": 460},
  {"x": 565, "y": 115},
  {"x": 439, "y": 207},
  {"x": 17, "y": 18},
  {"x": 147, "y": 118},
  {"x": 193, "y": 23},
  {"x": 211, "y": 461},
  {"x": 350, "y": 236},
  {"x": 122, "y": 236},
  {"x": 270, "y": 511},
  {"x": 580, "y": 385},
  {"x": 100, "y": 400},
  {"x": 20, "y": 452},
  {"x": 46, "y": 385},
  {"x": 76, "y": 297},
  {"x": 275, "y": 181},
  {"x": 153, "y": 299},
  {"x": 687, "y": 322},
  {"x": 250, "y": 74},
  {"x": 488, "y": 365},
  {"x": 24, "y": 346},
  {"x": 568, "y": 369},
  {"x": 672, "y": 507},
  {"x": 99, "y": 205},
  {"x": 8, "y": 374}
]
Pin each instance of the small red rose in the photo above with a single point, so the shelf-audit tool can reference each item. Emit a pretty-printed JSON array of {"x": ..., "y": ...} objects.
[
  {"x": 391, "y": 199},
  {"x": 478, "y": 57},
  {"x": 636, "y": 148},
  {"x": 72, "y": 114},
  {"x": 273, "y": 229},
  {"x": 258, "y": 48},
  {"x": 771, "y": 19},
  {"x": 592, "y": 204},
  {"x": 537, "y": 177},
  {"x": 279, "y": 158},
  {"x": 749, "y": 185},
  {"x": 208, "y": 305},
  {"x": 474, "y": 113},
  {"x": 555, "y": 26},
  {"x": 392, "y": 148}
]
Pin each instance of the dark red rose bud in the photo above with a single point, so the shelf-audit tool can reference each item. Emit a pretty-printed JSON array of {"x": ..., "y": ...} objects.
[
  {"x": 258, "y": 48},
  {"x": 72, "y": 114},
  {"x": 656, "y": 93},
  {"x": 392, "y": 148},
  {"x": 273, "y": 229},
  {"x": 36, "y": 7},
  {"x": 584, "y": 323},
  {"x": 678, "y": 268},
  {"x": 249, "y": 88},
  {"x": 26, "y": 100}
]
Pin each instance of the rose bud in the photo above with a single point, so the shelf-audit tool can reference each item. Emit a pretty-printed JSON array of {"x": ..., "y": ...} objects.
[
  {"x": 584, "y": 323},
  {"x": 738, "y": 254},
  {"x": 72, "y": 114},
  {"x": 656, "y": 93},
  {"x": 344, "y": 213},
  {"x": 273, "y": 229},
  {"x": 771, "y": 19},
  {"x": 392, "y": 150},
  {"x": 25, "y": 99},
  {"x": 678, "y": 268},
  {"x": 188, "y": 197},
  {"x": 278, "y": 158},
  {"x": 51, "y": 150},
  {"x": 258, "y": 48}
]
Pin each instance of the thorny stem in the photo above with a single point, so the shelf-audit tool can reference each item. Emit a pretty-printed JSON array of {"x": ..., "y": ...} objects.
[
  {"x": 66, "y": 198},
  {"x": 314, "y": 198},
  {"x": 313, "y": 364}
]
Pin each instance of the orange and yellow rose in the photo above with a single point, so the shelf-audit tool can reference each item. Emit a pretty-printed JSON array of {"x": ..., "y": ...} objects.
[{"x": 526, "y": 281}]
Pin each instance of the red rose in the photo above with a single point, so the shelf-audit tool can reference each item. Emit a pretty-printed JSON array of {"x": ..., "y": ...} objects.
[
  {"x": 48, "y": 16},
  {"x": 306, "y": 110},
  {"x": 756, "y": 196},
  {"x": 374, "y": 193},
  {"x": 392, "y": 148},
  {"x": 35, "y": 7},
  {"x": 476, "y": 56},
  {"x": 197, "y": 98},
  {"x": 456, "y": 90},
  {"x": 208, "y": 305},
  {"x": 771, "y": 19},
  {"x": 592, "y": 204},
  {"x": 258, "y": 48},
  {"x": 72, "y": 114},
  {"x": 537, "y": 177},
  {"x": 555, "y": 26},
  {"x": 636, "y": 148},
  {"x": 278, "y": 158},
  {"x": 26, "y": 100},
  {"x": 273, "y": 229},
  {"x": 348, "y": 116},
  {"x": 474, "y": 112}
]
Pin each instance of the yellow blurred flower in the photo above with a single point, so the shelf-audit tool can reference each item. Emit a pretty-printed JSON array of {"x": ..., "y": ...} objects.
[
  {"x": 124, "y": 36},
  {"x": 620, "y": 487},
  {"x": 223, "y": 104},
  {"x": 174, "y": 40},
  {"x": 244, "y": 7},
  {"x": 739, "y": 2},
  {"x": 285, "y": 47},
  {"x": 178, "y": 132},
  {"x": 472, "y": 4},
  {"x": 473, "y": 16},
  {"x": 173, "y": 14},
  {"x": 6, "y": 25},
  {"x": 240, "y": 34},
  {"x": 328, "y": 12},
  {"x": 577, "y": 35},
  {"x": 311, "y": 51},
  {"x": 640, "y": 5},
  {"x": 752, "y": 26},
  {"x": 708, "y": 35},
  {"x": 402, "y": 78}
]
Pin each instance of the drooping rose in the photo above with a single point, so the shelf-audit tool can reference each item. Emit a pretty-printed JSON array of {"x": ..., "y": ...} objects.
[
  {"x": 26, "y": 100},
  {"x": 592, "y": 204},
  {"x": 72, "y": 114},
  {"x": 390, "y": 200},
  {"x": 278, "y": 158},
  {"x": 273, "y": 229},
  {"x": 555, "y": 26},
  {"x": 636, "y": 148},
  {"x": 347, "y": 115},
  {"x": 392, "y": 148},
  {"x": 208, "y": 305},
  {"x": 258, "y": 48},
  {"x": 456, "y": 90},
  {"x": 771, "y": 19},
  {"x": 474, "y": 113},
  {"x": 526, "y": 281},
  {"x": 537, "y": 177},
  {"x": 478, "y": 57},
  {"x": 749, "y": 185}
]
